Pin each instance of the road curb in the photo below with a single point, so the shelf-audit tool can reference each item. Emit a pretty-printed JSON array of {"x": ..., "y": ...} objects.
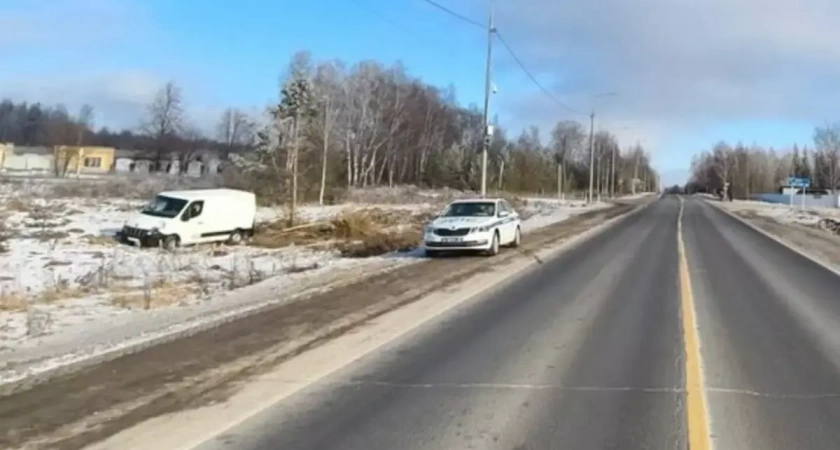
[{"x": 799, "y": 251}]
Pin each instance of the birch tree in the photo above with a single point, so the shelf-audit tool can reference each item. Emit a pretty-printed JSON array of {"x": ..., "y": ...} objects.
[{"x": 296, "y": 104}]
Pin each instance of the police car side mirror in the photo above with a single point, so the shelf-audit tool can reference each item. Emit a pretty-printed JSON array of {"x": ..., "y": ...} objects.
[{"x": 503, "y": 213}]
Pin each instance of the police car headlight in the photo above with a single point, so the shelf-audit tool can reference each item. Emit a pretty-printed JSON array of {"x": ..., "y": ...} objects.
[{"x": 483, "y": 229}]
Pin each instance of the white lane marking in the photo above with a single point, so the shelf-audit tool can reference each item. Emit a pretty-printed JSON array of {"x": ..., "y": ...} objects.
[
  {"x": 767, "y": 395},
  {"x": 566, "y": 388},
  {"x": 512, "y": 386}
]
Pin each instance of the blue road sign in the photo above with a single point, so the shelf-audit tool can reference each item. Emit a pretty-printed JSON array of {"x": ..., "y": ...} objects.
[{"x": 798, "y": 182}]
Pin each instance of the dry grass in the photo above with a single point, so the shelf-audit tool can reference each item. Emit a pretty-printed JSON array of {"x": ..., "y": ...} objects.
[
  {"x": 296, "y": 268},
  {"x": 381, "y": 243},
  {"x": 17, "y": 205},
  {"x": 60, "y": 291},
  {"x": 12, "y": 301},
  {"x": 6, "y": 234},
  {"x": 125, "y": 186},
  {"x": 401, "y": 195},
  {"x": 100, "y": 240},
  {"x": 45, "y": 217},
  {"x": 345, "y": 231},
  {"x": 48, "y": 235},
  {"x": 160, "y": 294}
]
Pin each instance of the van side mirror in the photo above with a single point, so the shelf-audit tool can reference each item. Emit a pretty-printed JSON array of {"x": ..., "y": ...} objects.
[
  {"x": 185, "y": 216},
  {"x": 503, "y": 213}
]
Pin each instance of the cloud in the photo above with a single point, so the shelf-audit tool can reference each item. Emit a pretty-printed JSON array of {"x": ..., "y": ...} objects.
[
  {"x": 677, "y": 64},
  {"x": 65, "y": 51}
]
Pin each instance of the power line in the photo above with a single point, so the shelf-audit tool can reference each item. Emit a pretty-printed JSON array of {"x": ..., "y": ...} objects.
[
  {"x": 532, "y": 77},
  {"x": 454, "y": 14},
  {"x": 389, "y": 21},
  {"x": 403, "y": 28}
]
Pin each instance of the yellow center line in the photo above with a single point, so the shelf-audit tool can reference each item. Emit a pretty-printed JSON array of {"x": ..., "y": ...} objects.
[{"x": 697, "y": 417}]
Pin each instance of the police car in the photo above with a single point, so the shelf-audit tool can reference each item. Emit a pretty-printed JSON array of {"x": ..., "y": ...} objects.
[{"x": 473, "y": 225}]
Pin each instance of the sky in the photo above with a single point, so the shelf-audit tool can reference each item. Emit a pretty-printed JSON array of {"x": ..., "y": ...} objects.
[{"x": 685, "y": 74}]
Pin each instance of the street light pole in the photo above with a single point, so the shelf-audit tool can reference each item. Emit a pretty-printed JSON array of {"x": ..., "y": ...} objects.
[{"x": 485, "y": 143}]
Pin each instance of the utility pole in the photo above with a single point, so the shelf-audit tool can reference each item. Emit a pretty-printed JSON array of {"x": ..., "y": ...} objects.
[
  {"x": 612, "y": 174},
  {"x": 591, "y": 156},
  {"x": 485, "y": 143},
  {"x": 560, "y": 181},
  {"x": 636, "y": 169},
  {"x": 599, "y": 174}
]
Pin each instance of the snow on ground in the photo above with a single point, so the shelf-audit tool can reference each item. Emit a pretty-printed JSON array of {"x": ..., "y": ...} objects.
[
  {"x": 541, "y": 212},
  {"x": 63, "y": 265},
  {"x": 68, "y": 290},
  {"x": 783, "y": 213},
  {"x": 635, "y": 196}
]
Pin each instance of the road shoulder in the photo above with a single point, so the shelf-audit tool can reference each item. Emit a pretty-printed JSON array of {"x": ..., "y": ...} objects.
[{"x": 809, "y": 242}]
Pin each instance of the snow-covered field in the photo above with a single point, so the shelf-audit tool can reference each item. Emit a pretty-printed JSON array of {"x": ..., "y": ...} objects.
[
  {"x": 68, "y": 290},
  {"x": 783, "y": 213}
]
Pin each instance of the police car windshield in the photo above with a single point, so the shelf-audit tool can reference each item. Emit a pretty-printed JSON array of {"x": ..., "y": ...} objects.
[
  {"x": 471, "y": 209},
  {"x": 164, "y": 207}
]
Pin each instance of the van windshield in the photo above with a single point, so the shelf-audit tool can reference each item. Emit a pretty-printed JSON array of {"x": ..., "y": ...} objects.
[{"x": 163, "y": 206}]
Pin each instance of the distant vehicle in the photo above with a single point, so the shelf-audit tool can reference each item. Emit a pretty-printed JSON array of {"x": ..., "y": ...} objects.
[
  {"x": 473, "y": 225},
  {"x": 176, "y": 218}
]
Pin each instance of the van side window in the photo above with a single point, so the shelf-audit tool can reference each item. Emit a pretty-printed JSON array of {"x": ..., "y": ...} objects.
[{"x": 194, "y": 210}]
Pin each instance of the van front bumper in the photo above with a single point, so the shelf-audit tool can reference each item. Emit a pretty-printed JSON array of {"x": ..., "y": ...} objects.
[{"x": 140, "y": 237}]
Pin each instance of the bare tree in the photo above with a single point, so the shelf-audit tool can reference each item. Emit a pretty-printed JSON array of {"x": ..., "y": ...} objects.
[
  {"x": 827, "y": 141},
  {"x": 235, "y": 130},
  {"x": 164, "y": 121},
  {"x": 85, "y": 122},
  {"x": 190, "y": 146},
  {"x": 567, "y": 137}
]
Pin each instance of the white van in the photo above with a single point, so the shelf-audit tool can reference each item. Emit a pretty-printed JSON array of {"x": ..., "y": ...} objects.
[{"x": 197, "y": 216}]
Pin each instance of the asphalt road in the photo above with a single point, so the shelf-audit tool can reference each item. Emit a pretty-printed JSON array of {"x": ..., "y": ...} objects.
[{"x": 589, "y": 352}]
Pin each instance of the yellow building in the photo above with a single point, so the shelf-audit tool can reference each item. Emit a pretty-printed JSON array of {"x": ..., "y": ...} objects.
[{"x": 70, "y": 159}]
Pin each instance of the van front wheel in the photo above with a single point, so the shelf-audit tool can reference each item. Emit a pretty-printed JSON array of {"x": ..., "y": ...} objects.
[
  {"x": 170, "y": 243},
  {"x": 236, "y": 237}
]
